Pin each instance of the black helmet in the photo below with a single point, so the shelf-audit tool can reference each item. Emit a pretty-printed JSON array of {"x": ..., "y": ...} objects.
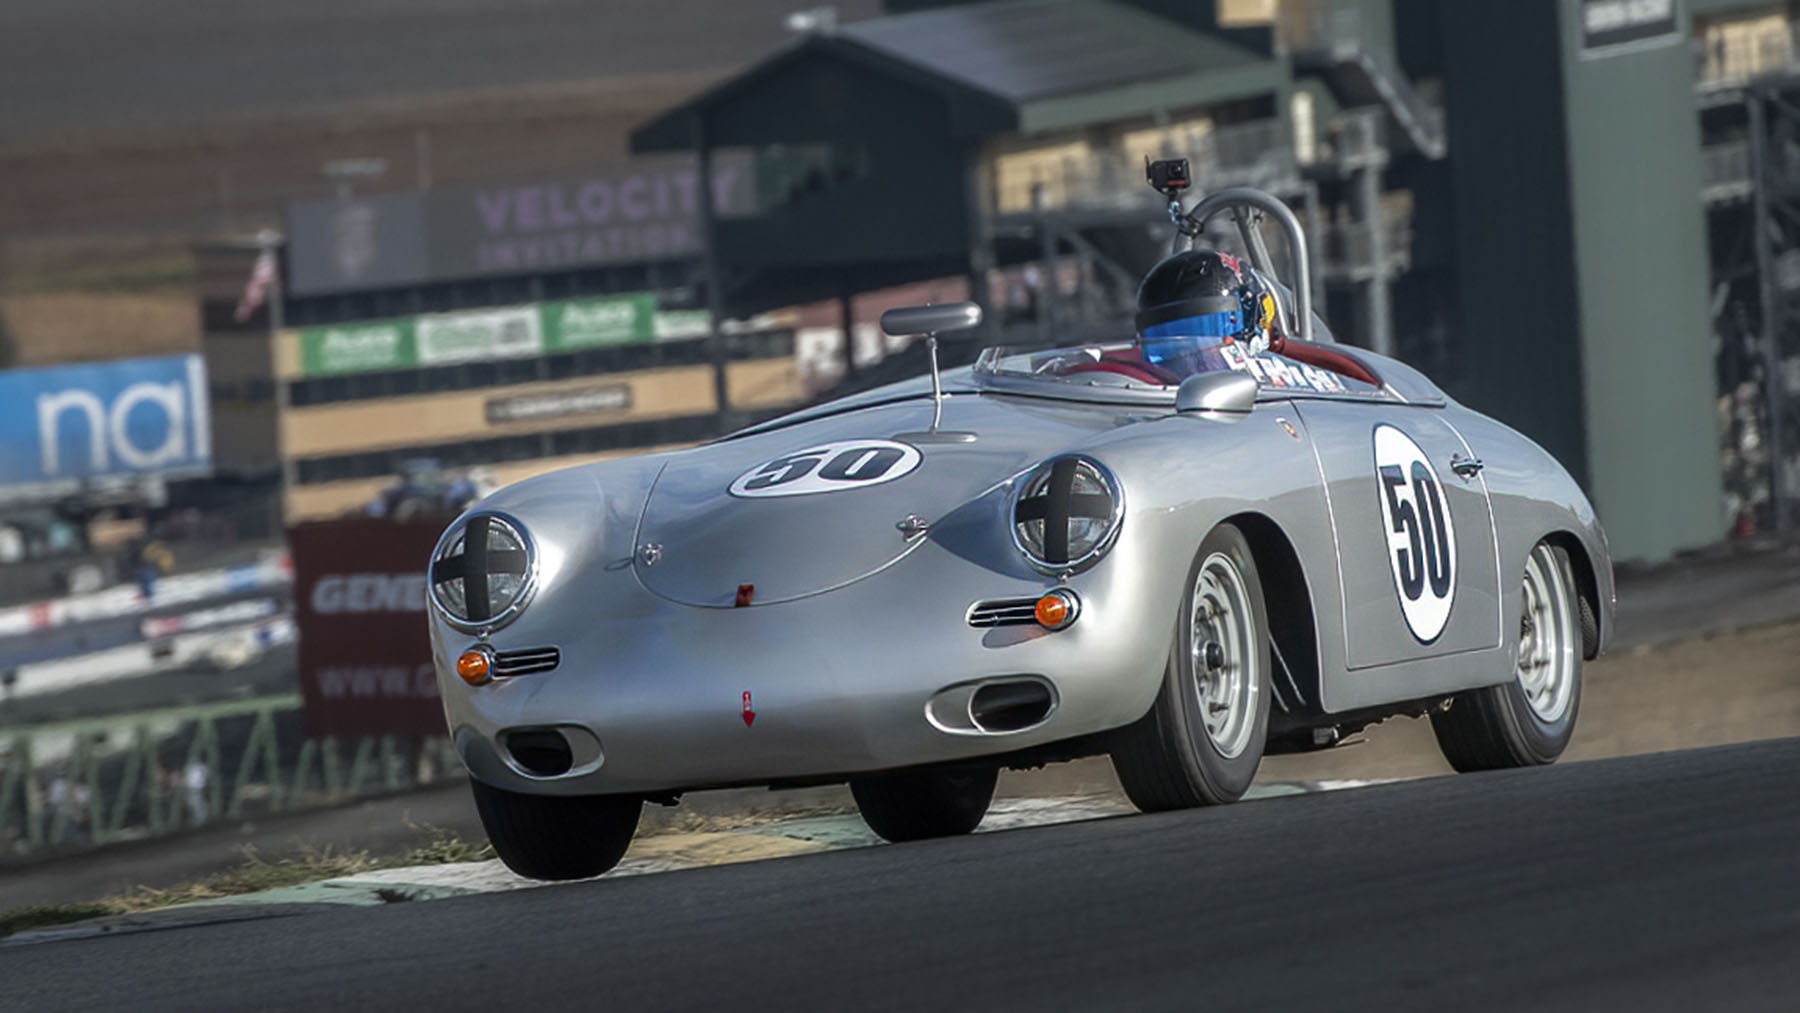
[
  {"x": 1194, "y": 303},
  {"x": 1202, "y": 293}
]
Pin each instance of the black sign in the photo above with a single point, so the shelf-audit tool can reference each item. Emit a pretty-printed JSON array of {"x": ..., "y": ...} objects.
[
  {"x": 556, "y": 404},
  {"x": 1607, "y": 23}
]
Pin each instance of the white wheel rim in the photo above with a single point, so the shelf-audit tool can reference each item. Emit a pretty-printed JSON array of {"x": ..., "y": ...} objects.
[
  {"x": 1226, "y": 667},
  {"x": 1547, "y": 636}
]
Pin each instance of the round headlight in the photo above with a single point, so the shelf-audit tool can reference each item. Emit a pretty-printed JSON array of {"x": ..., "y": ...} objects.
[
  {"x": 1066, "y": 514},
  {"x": 483, "y": 572}
]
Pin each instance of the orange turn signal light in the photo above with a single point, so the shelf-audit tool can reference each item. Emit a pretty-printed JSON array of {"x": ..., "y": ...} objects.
[
  {"x": 1057, "y": 609},
  {"x": 473, "y": 666}
]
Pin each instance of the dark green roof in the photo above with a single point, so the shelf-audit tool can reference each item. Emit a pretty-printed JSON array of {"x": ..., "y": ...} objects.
[{"x": 1022, "y": 65}]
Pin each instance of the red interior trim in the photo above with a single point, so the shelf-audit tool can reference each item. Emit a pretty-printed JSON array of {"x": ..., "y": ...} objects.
[
  {"x": 1326, "y": 357},
  {"x": 1136, "y": 370}
]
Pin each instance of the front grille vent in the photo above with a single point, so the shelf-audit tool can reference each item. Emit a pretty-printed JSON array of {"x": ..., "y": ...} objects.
[
  {"x": 526, "y": 661},
  {"x": 1004, "y": 612}
]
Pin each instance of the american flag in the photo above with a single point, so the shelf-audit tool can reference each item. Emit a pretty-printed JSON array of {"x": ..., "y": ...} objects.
[{"x": 256, "y": 290}]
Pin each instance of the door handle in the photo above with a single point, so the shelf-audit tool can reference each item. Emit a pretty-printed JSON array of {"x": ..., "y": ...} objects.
[{"x": 1466, "y": 468}]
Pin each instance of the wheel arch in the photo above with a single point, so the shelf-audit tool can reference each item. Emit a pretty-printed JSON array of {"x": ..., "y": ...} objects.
[
  {"x": 1587, "y": 587},
  {"x": 1293, "y": 626}
]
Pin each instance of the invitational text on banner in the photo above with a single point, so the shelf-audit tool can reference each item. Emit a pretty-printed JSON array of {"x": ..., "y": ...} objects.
[{"x": 645, "y": 210}]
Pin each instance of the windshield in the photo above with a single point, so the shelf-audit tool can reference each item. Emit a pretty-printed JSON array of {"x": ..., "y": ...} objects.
[{"x": 1120, "y": 371}]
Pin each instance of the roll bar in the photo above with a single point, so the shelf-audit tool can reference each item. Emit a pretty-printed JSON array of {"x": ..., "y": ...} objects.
[{"x": 1247, "y": 206}]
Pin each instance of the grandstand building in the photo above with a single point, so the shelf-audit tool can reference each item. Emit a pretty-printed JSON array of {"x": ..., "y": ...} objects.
[{"x": 1439, "y": 151}]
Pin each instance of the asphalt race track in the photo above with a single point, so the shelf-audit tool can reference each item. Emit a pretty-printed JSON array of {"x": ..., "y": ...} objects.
[{"x": 1669, "y": 881}]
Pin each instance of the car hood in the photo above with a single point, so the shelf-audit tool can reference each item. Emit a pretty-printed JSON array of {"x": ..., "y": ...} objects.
[{"x": 817, "y": 505}]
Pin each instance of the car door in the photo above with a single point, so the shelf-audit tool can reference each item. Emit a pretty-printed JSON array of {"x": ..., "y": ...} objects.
[{"x": 1414, "y": 531}]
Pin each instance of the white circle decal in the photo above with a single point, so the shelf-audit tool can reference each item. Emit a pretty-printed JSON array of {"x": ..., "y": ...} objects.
[
  {"x": 1421, "y": 536},
  {"x": 830, "y": 467}
]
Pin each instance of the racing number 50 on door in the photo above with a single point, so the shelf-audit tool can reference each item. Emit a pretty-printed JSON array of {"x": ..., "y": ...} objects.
[{"x": 1421, "y": 535}]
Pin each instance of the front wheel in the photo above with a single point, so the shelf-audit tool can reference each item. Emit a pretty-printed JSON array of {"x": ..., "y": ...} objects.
[
  {"x": 1528, "y": 721},
  {"x": 912, "y": 805},
  {"x": 1203, "y": 738},
  {"x": 557, "y": 836}
]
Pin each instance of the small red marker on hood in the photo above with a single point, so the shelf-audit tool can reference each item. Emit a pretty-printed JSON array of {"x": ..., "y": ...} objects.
[{"x": 749, "y": 712}]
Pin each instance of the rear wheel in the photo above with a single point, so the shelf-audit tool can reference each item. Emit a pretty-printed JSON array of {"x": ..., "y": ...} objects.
[
  {"x": 1203, "y": 738},
  {"x": 557, "y": 836},
  {"x": 912, "y": 805},
  {"x": 1529, "y": 720}
]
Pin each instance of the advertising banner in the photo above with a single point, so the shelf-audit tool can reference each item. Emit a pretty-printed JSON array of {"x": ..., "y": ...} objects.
[
  {"x": 131, "y": 417},
  {"x": 440, "y": 339},
  {"x": 610, "y": 397},
  {"x": 360, "y": 243},
  {"x": 359, "y": 603},
  {"x": 1609, "y": 23},
  {"x": 586, "y": 323},
  {"x": 647, "y": 209},
  {"x": 509, "y": 333},
  {"x": 675, "y": 325},
  {"x": 359, "y": 348}
]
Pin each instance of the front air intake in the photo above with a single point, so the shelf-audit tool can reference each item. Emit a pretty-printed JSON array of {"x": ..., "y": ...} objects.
[
  {"x": 540, "y": 752},
  {"x": 1003, "y": 612},
  {"x": 1010, "y": 706},
  {"x": 526, "y": 661}
]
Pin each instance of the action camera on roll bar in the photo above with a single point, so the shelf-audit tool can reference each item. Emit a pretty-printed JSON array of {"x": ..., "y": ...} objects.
[{"x": 1168, "y": 176}]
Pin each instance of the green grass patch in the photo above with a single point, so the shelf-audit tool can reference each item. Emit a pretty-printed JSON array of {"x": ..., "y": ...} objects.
[
  {"x": 254, "y": 875},
  {"x": 40, "y": 916}
]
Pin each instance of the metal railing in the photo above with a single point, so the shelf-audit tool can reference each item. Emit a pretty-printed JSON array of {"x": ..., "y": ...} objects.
[
  {"x": 1360, "y": 140},
  {"x": 1725, "y": 172},
  {"x": 1320, "y": 27},
  {"x": 1257, "y": 153},
  {"x": 105, "y": 780},
  {"x": 1349, "y": 248}
]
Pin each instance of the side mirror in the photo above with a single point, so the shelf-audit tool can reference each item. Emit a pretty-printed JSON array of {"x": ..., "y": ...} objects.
[
  {"x": 950, "y": 316},
  {"x": 1229, "y": 392}
]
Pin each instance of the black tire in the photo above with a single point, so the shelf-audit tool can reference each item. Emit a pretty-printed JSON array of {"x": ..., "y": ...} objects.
[
  {"x": 557, "y": 836},
  {"x": 1167, "y": 759},
  {"x": 1496, "y": 728},
  {"x": 913, "y": 805}
]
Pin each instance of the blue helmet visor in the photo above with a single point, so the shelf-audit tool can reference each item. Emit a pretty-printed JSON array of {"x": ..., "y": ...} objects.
[{"x": 1176, "y": 338}]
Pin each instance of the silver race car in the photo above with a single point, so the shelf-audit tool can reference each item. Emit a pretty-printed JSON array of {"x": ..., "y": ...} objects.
[{"x": 1048, "y": 555}]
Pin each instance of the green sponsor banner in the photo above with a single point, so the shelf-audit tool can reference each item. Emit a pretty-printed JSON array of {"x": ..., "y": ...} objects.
[
  {"x": 505, "y": 332},
  {"x": 511, "y": 332},
  {"x": 358, "y": 348},
  {"x": 587, "y": 323}
]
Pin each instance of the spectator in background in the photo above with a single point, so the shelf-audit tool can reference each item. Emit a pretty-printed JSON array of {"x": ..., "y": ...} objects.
[
  {"x": 193, "y": 782},
  {"x": 150, "y": 560},
  {"x": 459, "y": 494},
  {"x": 69, "y": 802}
]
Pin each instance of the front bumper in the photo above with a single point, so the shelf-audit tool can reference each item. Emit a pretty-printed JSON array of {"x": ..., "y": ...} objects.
[{"x": 839, "y": 682}]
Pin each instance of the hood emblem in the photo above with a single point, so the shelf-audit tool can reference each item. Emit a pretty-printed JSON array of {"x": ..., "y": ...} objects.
[
  {"x": 649, "y": 552},
  {"x": 912, "y": 526}
]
